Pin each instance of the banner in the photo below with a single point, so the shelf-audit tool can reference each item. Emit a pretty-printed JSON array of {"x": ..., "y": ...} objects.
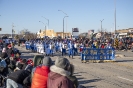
[{"x": 97, "y": 54}]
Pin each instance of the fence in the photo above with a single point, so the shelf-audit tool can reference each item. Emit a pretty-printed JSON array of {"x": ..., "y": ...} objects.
[{"x": 97, "y": 54}]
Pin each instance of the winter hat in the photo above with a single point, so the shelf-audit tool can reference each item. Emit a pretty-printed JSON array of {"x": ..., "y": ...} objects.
[
  {"x": 20, "y": 66},
  {"x": 9, "y": 46},
  {"x": 24, "y": 61},
  {"x": 62, "y": 62},
  {"x": 29, "y": 68},
  {"x": 47, "y": 61}
]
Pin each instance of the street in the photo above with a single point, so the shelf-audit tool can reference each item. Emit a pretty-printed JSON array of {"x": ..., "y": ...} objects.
[{"x": 118, "y": 74}]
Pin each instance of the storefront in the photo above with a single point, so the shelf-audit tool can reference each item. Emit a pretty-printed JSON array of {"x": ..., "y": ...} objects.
[{"x": 121, "y": 35}]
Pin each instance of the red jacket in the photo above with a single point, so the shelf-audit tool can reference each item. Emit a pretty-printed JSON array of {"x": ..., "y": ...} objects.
[
  {"x": 102, "y": 46},
  {"x": 40, "y": 76}
]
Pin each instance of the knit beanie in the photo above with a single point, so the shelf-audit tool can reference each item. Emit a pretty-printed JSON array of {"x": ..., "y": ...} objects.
[
  {"x": 29, "y": 68},
  {"x": 47, "y": 61},
  {"x": 20, "y": 66},
  {"x": 62, "y": 62}
]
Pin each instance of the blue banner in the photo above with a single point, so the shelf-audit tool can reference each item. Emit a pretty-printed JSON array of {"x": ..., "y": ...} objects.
[{"x": 97, "y": 54}]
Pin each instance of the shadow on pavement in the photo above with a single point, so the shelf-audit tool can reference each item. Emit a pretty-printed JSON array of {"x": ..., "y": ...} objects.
[
  {"x": 79, "y": 78},
  {"x": 124, "y": 61},
  {"x": 89, "y": 81},
  {"x": 82, "y": 72},
  {"x": 90, "y": 87}
]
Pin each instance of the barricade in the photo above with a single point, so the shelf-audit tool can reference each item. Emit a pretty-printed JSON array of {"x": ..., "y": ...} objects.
[{"x": 97, "y": 55}]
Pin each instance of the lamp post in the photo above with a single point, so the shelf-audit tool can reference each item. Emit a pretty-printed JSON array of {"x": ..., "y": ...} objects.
[
  {"x": 63, "y": 25},
  {"x": 12, "y": 29},
  {"x": 66, "y": 19},
  {"x": 115, "y": 17},
  {"x": 47, "y": 20},
  {"x": 101, "y": 24},
  {"x": 45, "y": 27}
]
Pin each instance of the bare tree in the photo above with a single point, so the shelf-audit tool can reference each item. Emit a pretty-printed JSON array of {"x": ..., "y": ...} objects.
[{"x": 27, "y": 34}]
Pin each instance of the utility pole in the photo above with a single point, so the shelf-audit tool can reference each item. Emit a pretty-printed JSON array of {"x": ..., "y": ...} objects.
[
  {"x": 101, "y": 24},
  {"x": 63, "y": 25},
  {"x": 48, "y": 22},
  {"x": 115, "y": 18},
  {"x": 12, "y": 29},
  {"x": 63, "y": 21},
  {"x": 45, "y": 30}
]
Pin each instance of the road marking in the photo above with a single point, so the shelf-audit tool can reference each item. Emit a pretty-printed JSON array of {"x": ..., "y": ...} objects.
[{"x": 125, "y": 78}]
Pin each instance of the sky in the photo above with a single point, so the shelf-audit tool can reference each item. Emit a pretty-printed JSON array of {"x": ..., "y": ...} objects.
[{"x": 82, "y": 14}]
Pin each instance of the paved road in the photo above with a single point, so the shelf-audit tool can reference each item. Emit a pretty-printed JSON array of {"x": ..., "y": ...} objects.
[{"x": 117, "y": 74}]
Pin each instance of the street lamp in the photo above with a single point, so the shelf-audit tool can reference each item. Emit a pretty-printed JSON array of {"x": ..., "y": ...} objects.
[
  {"x": 63, "y": 25},
  {"x": 63, "y": 21},
  {"x": 12, "y": 29},
  {"x": 101, "y": 24},
  {"x": 63, "y": 12},
  {"x": 47, "y": 20},
  {"x": 115, "y": 17},
  {"x": 45, "y": 27}
]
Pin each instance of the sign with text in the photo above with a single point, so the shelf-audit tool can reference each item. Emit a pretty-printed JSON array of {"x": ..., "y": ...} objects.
[{"x": 75, "y": 32}]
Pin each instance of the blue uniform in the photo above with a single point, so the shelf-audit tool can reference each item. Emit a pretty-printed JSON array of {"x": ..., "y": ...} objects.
[{"x": 70, "y": 46}]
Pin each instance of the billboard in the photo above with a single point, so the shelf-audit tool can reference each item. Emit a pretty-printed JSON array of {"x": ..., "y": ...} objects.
[{"x": 75, "y": 32}]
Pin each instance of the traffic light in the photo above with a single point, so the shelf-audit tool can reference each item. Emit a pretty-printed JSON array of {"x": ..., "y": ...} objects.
[{"x": 0, "y": 29}]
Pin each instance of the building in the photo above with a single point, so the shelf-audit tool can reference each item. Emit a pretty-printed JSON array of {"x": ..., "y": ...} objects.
[
  {"x": 61, "y": 34},
  {"x": 125, "y": 32},
  {"x": 51, "y": 33}
]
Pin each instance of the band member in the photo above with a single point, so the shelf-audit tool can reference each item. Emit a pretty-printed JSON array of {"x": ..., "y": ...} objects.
[
  {"x": 70, "y": 47},
  {"x": 63, "y": 49},
  {"x": 75, "y": 49}
]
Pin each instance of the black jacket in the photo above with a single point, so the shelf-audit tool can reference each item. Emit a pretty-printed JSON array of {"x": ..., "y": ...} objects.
[
  {"x": 27, "y": 81},
  {"x": 4, "y": 55},
  {"x": 12, "y": 64},
  {"x": 10, "y": 51},
  {"x": 19, "y": 76}
]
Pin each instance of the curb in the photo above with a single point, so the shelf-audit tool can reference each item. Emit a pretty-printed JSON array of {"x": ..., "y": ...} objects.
[
  {"x": 97, "y": 61},
  {"x": 119, "y": 55}
]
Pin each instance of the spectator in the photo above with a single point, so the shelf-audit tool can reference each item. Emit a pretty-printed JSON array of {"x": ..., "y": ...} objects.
[
  {"x": 3, "y": 66},
  {"x": 24, "y": 63},
  {"x": 15, "y": 79},
  {"x": 10, "y": 51},
  {"x": 40, "y": 74},
  {"x": 71, "y": 77},
  {"x": 19, "y": 66},
  {"x": 4, "y": 54},
  {"x": 12, "y": 65},
  {"x": 57, "y": 78}
]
